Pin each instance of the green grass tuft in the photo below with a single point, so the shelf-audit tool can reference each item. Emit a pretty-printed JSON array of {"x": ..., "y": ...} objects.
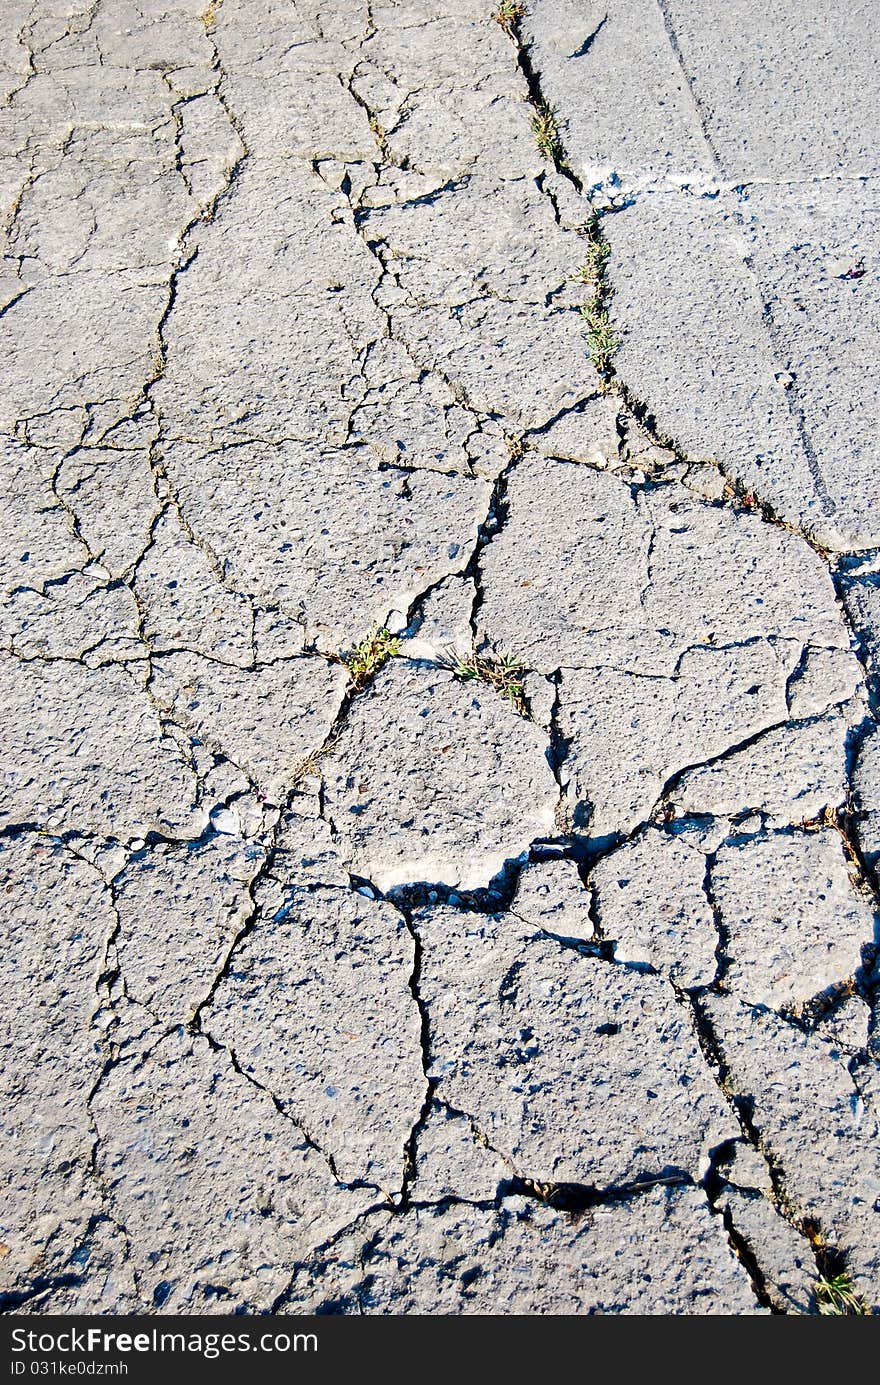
[
  {"x": 836, "y": 1297},
  {"x": 546, "y": 132},
  {"x": 366, "y": 659},
  {"x": 501, "y": 672},
  {"x": 601, "y": 339}
]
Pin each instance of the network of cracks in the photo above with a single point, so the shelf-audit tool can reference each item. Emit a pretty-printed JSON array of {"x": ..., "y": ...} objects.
[{"x": 441, "y": 798}]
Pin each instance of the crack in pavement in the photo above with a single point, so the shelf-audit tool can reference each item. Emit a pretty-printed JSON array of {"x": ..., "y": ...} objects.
[{"x": 290, "y": 514}]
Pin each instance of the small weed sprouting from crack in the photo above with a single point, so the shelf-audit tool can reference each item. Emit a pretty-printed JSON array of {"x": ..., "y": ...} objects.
[
  {"x": 601, "y": 339},
  {"x": 808, "y": 1013},
  {"x": 840, "y": 819},
  {"x": 601, "y": 336},
  {"x": 737, "y": 493},
  {"x": 310, "y": 765},
  {"x": 516, "y": 448},
  {"x": 546, "y": 132},
  {"x": 508, "y": 15},
  {"x": 592, "y": 271},
  {"x": 502, "y": 672},
  {"x": 366, "y": 659},
  {"x": 836, "y": 1297}
]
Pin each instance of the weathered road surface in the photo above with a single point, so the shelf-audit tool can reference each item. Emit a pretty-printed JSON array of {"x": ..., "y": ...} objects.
[{"x": 416, "y": 992}]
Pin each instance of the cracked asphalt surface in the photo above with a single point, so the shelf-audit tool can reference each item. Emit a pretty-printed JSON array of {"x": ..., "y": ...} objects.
[{"x": 534, "y": 971}]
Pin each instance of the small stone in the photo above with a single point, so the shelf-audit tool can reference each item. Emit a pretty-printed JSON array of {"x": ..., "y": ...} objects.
[
  {"x": 226, "y": 820},
  {"x": 396, "y": 622}
]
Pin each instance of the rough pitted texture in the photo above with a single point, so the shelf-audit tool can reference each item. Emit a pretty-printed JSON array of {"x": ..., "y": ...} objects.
[
  {"x": 738, "y": 252},
  {"x": 651, "y": 901},
  {"x": 815, "y": 128},
  {"x": 680, "y": 652},
  {"x": 791, "y": 923},
  {"x": 788, "y": 1267},
  {"x": 862, "y": 597},
  {"x": 293, "y": 343},
  {"x": 186, "y": 605},
  {"x": 56, "y": 597},
  {"x": 589, "y": 433},
  {"x": 327, "y": 536},
  {"x": 266, "y": 720},
  {"x": 454, "y": 1160},
  {"x": 866, "y": 782},
  {"x": 848, "y": 1023},
  {"x": 57, "y": 920},
  {"x": 433, "y": 778},
  {"x": 550, "y": 895},
  {"x": 790, "y": 774},
  {"x": 815, "y": 1125},
  {"x": 660, "y": 1253},
  {"x": 443, "y": 628},
  {"x": 578, "y": 1070},
  {"x": 674, "y": 572},
  {"x": 87, "y": 749},
  {"x": 597, "y": 62},
  {"x": 217, "y": 1225},
  {"x": 722, "y": 389},
  {"x": 305, "y": 852},
  {"x": 180, "y": 910},
  {"x": 346, "y": 1065},
  {"x": 760, "y": 1228},
  {"x": 98, "y": 1277}
]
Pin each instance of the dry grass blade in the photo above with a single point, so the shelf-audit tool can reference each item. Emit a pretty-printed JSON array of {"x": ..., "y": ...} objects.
[
  {"x": 508, "y": 15},
  {"x": 209, "y": 15}
]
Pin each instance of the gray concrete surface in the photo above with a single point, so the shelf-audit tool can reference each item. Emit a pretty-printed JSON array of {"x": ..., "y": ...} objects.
[
  {"x": 530, "y": 966},
  {"x": 738, "y": 148}
]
